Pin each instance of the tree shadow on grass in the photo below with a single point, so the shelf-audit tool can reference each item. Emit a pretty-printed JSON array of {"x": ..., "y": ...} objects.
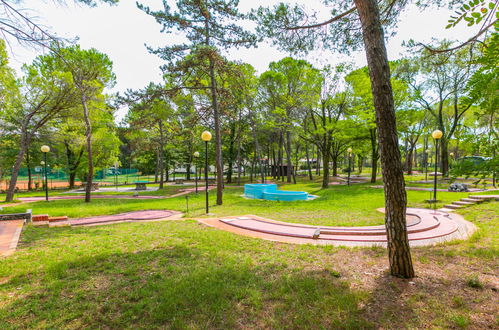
[
  {"x": 387, "y": 305},
  {"x": 181, "y": 287},
  {"x": 32, "y": 235},
  {"x": 429, "y": 301}
]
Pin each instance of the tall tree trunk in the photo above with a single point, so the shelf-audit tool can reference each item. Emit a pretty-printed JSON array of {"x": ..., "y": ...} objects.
[
  {"x": 73, "y": 162},
  {"x": 279, "y": 158},
  {"x": 28, "y": 166},
  {"x": 297, "y": 160},
  {"x": 325, "y": 166},
  {"x": 156, "y": 170},
  {"x": 88, "y": 135},
  {"x": 334, "y": 159},
  {"x": 309, "y": 168},
  {"x": 289, "y": 165},
  {"x": 167, "y": 171},
  {"x": 230, "y": 160},
  {"x": 72, "y": 179},
  {"x": 318, "y": 163},
  {"x": 410, "y": 155},
  {"x": 218, "y": 135},
  {"x": 374, "y": 154},
  {"x": 395, "y": 196},
  {"x": 444, "y": 156},
  {"x": 161, "y": 155},
  {"x": 239, "y": 160},
  {"x": 274, "y": 162},
  {"x": 360, "y": 164},
  {"x": 24, "y": 144}
]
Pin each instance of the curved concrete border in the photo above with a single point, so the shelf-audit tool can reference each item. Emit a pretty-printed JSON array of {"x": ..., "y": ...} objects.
[
  {"x": 434, "y": 227},
  {"x": 134, "y": 216}
]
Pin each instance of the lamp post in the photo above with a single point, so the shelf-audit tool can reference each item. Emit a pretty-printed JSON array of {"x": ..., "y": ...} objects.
[
  {"x": 427, "y": 152},
  {"x": 45, "y": 149},
  {"x": 206, "y": 137},
  {"x": 437, "y": 134},
  {"x": 349, "y": 150},
  {"x": 196, "y": 156}
]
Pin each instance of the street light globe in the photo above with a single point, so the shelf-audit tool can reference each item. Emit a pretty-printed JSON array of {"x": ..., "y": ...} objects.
[
  {"x": 427, "y": 151},
  {"x": 196, "y": 154},
  {"x": 451, "y": 154},
  {"x": 42, "y": 163},
  {"x": 45, "y": 148},
  {"x": 206, "y": 136},
  {"x": 349, "y": 150},
  {"x": 437, "y": 134}
]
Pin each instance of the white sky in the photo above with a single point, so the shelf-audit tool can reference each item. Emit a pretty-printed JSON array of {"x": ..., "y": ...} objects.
[{"x": 121, "y": 31}]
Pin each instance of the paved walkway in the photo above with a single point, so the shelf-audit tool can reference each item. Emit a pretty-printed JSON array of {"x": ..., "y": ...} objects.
[
  {"x": 134, "y": 216},
  {"x": 10, "y": 230},
  {"x": 431, "y": 189},
  {"x": 42, "y": 198},
  {"x": 425, "y": 227}
]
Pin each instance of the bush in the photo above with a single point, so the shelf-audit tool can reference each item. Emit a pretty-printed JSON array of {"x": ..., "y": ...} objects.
[{"x": 471, "y": 167}]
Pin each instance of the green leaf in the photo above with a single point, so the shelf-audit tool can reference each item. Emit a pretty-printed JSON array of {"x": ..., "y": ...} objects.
[
  {"x": 448, "y": 26},
  {"x": 465, "y": 6},
  {"x": 491, "y": 5},
  {"x": 476, "y": 15}
]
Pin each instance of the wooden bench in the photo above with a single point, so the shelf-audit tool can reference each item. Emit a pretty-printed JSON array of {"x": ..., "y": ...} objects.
[{"x": 179, "y": 181}]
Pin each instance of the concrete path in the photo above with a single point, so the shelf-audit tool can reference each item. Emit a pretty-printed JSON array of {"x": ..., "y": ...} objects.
[
  {"x": 430, "y": 189},
  {"x": 135, "y": 216},
  {"x": 425, "y": 227},
  {"x": 41, "y": 198},
  {"x": 10, "y": 231}
]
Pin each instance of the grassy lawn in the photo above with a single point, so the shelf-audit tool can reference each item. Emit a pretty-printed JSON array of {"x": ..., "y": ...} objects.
[
  {"x": 338, "y": 205},
  {"x": 180, "y": 274}
]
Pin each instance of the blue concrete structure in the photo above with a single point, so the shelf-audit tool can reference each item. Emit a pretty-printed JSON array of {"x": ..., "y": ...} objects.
[
  {"x": 257, "y": 190},
  {"x": 270, "y": 192}
]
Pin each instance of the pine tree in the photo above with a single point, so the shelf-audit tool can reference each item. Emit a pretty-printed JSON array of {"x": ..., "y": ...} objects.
[{"x": 208, "y": 26}]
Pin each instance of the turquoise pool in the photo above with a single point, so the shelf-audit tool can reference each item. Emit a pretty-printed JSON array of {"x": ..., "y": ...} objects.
[{"x": 270, "y": 192}]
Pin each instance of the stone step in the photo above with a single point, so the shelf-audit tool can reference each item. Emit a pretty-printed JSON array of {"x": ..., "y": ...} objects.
[
  {"x": 485, "y": 197},
  {"x": 55, "y": 219},
  {"x": 40, "y": 217},
  {"x": 471, "y": 200},
  {"x": 40, "y": 223},
  {"x": 453, "y": 206},
  {"x": 60, "y": 224},
  {"x": 444, "y": 209},
  {"x": 463, "y": 203}
]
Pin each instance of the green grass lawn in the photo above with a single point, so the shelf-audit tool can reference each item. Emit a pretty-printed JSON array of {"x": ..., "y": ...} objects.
[
  {"x": 353, "y": 205},
  {"x": 181, "y": 274}
]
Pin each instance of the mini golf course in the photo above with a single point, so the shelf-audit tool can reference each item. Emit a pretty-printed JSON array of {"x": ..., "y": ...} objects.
[{"x": 425, "y": 227}]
